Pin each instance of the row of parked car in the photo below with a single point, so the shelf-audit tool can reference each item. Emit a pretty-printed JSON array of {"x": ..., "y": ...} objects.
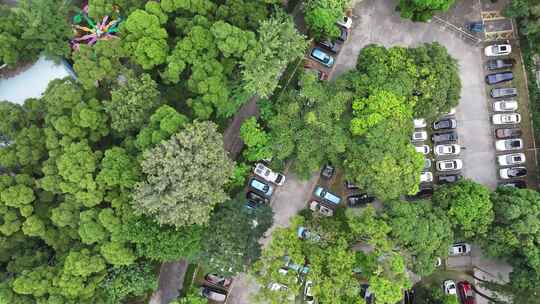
[
  {"x": 261, "y": 186},
  {"x": 325, "y": 49},
  {"x": 215, "y": 287},
  {"x": 445, "y": 151},
  {"x": 505, "y": 117}
]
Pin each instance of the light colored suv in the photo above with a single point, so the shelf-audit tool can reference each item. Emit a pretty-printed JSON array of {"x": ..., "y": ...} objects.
[
  {"x": 449, "y": 165},
  {"x": 261, "y": 186},
  {"x": 268, "y": 175},
  {"x": 511, "y": 159},
  {"x": 450, "y": 149},
  {"x": 326, "y": 195}
]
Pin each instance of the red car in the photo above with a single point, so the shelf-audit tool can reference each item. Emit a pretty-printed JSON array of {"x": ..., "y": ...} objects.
[{"x": 466, "y": 293}]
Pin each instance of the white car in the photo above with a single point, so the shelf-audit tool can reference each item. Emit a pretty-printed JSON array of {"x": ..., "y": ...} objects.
[
  {"x": 513, "y": 172},
  {"x": 345, "y": 22},
  {"x": 308, "y": 296},
  {"x": 277, "y": 287},
  {"x": 419, "y": 123},
  {"x": 450, "y": 149},
  {"x": 426, "y": 177},
  {"x": 459, "y": 249},
  {"x": 511, "y": 159},
  {"x": 449, "y": 287},
  {"x": 509, "y": 144},
  {"x": 503, "y": 119},
  {"x": 449, "y": 165},
  {"x": 498, "y": 50},
  {"x": 419, "y": 136},
  {"x": 269, "y": 175},
  {"x": 423, "y": 149},
  {"x": 505, "y": 105},
  {"x": 317, "y": 207}
]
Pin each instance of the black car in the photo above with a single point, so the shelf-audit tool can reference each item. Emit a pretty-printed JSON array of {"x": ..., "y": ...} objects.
[
  {"x": 449, "y": 178},
  {"x": 446, "y": 123},
  {"x": 503, "y": 92},
  {"x": 328, "y": 171},
  {"x": 254, "y": 197},
  {"x": 496, "y": 64},
  {"x": 508, "y": 133},
  {"x": 349, "y": 185},
  {"x": 444, "y": 137},
  {"x": 343, "y": 34},
  {"x": 499, "y": 77},
  {"x": 332, "y": 46},
  {"x": 516, "y": 183},
  {"x": 358, "y": 200}
]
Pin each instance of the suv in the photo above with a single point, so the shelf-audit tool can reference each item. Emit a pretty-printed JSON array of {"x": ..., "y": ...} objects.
[
  {"x": 261, "y": 186},
  {"x": 269, "y": 175},
  {"x": 459, "y": 249},
  {"x": 446, "y": 123},
  {"x": 213, "y": 294},
  {"x": 448, "y": 179},
  {"x": 322, "y": 57},
  {"x": 506, "y": 119},
  {"x": 498, "y": 50},
  {"x": 444, "y": 137},
  {"x": 495, "y": 64},
  {"x": 511, "y": 159},
  {"x": 503, "y": 92},
  {"x": 499, "y": 77},
  {"x": 359, "y": 200},
  {"x": 508, "y": 133},
  {"x": 327, "y": 171},
  {"x": 509, "y": 144},
  {"x": 327, "y": 196},
  {"x": 513, "y": 172},
  {"x": 466, "y": 293},
  {"x": 254, "y": 197}
]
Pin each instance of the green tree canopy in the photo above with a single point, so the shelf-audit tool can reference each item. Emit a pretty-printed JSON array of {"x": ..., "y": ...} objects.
[
  {"x": 184, "y": 176},
  {"x": 422, "y": 10}
]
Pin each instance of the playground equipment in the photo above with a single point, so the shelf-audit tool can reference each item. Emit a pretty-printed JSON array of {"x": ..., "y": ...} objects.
[{"x": 93, "y": 31}]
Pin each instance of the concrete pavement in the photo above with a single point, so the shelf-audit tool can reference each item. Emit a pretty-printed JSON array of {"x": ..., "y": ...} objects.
[{"x": 376, "y": 22}]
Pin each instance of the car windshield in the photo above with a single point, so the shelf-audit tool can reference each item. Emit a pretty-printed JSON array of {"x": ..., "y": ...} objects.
[{"x": 515, "y": 144}]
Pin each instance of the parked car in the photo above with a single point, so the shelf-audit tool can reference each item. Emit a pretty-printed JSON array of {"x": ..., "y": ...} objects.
[
  {"x": 449, "y": 178},
  {"x": 214, "y": 279},
  {"x": 331, "y": 46},
  {"x": 513, "y": 172},
  {"x": 322, "y": 57},
  {"x": 419, "y": 123},
  {"x": 449, "y": 165},
  {"x": 446, "y": 123},
  {"x": 475, "y": 27},
  {"x": 498, "y": 50},
  {"x": 345, "y": 22},
  {"x": 349, "y": 185},
  {"x": 449, "y": 287},
  {"x": 499, "y": 77},
  {"x": 459, "y": 249},
  {"x": 509, "y": 144},
  {"x": 505, "y": 105},
  {"x": 252, "y": 196},
  {"x": 466, "y": 293},
  {"x": 449, "y": 149},
  {"x": 503, "y": 92},
  {"x": 343, "y": 34},
  {"x": 515, "y": 183},
  {"x": 505, "y": 119},
  {"x": 496, "y": 64},
  {"x": 419, "y": 136},
  {"x": 328, "y": 171},
  {"x": 318, "y": 207},
  {"x": 426, "y": 177},
  {"x": 277, "y": 287},
  {"x": 508, "y": 133},
  {"x": 261, "y": 186},
  {"x": 511, "y": 159},
  {"x": 423, "y": 149},
  {"x": 326, "y": 195},
  {"x": 308, "y": 296},
  {"x": 427, "y": 163},
  {"x": 444, "y": 137},
  {"x": 359, "y": 199},
  {"x": 213, "y": 294},
  {"x": 304, "y": 234},
  {"x": 269, "y": 175}
]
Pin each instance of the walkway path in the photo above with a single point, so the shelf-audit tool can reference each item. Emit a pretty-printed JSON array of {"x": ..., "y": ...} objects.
[{"x": 171, "y": 279}]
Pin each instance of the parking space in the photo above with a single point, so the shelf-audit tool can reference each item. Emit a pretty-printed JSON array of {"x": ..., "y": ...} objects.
[{"x": 528, "y": 146}]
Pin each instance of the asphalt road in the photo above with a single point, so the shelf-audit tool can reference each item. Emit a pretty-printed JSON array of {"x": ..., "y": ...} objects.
[{"x": 375, "y": 21}]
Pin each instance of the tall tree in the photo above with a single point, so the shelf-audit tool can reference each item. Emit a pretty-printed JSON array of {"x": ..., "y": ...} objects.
[
  {"x": 236, "y": 246},
  {"x": 468, "y": 207},
  {"x": 422, "y": 10},
  {"x": 321, "y": 17},
  {"x": 278, "y": 44},
  {"x": 184, "y": 176}
]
